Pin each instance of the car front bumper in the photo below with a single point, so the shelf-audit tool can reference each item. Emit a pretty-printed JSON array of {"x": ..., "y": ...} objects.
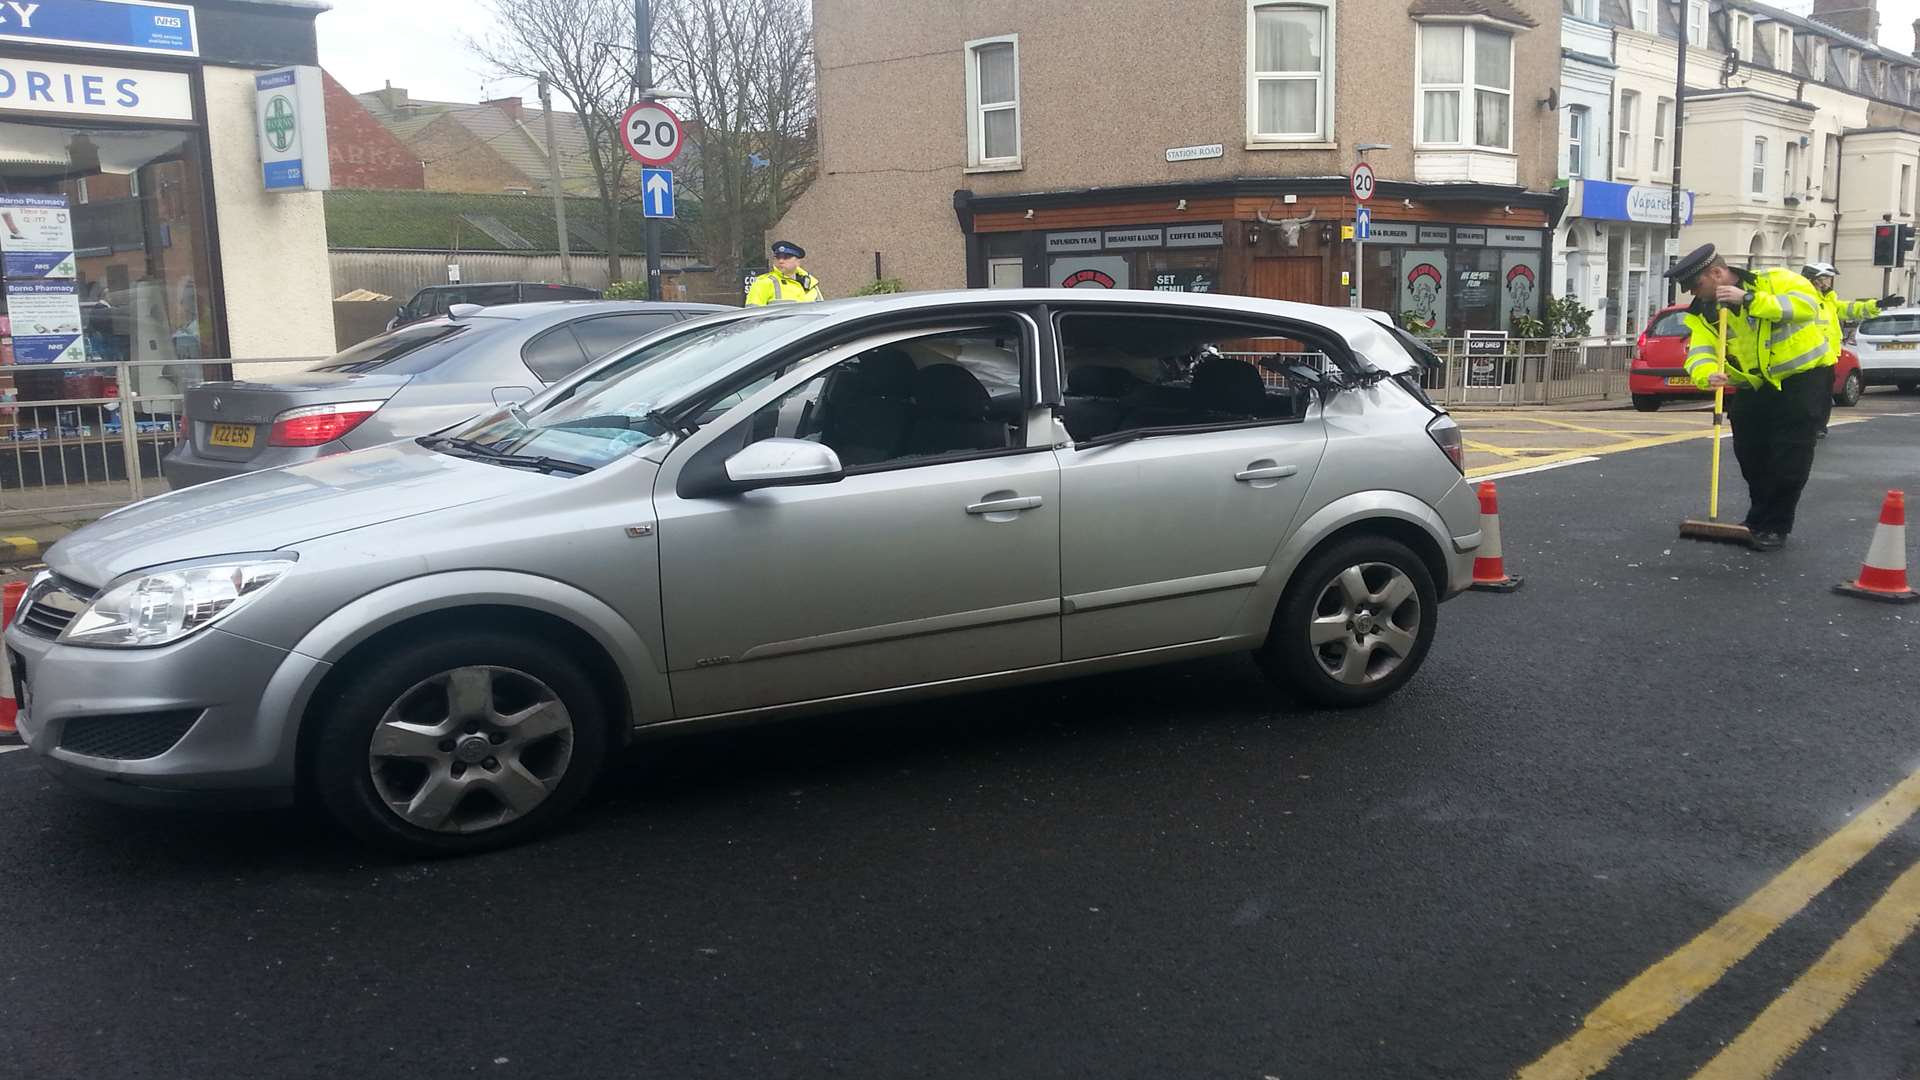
[{"x": 211, "y": 720}]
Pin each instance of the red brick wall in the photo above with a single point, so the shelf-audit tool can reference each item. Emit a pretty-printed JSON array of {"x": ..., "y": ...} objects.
[{"x": 363, "y": 152}]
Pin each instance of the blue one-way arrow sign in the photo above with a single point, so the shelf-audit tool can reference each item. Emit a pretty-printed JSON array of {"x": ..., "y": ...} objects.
[{"x": 656, "y": 192}]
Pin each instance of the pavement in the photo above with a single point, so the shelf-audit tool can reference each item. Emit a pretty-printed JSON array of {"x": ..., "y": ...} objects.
[{"x": 1653, "y": 815}]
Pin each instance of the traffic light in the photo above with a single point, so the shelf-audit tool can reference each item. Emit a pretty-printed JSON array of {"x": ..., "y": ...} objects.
[
  {"x": 1904, "y": 245},
  {"x": 1886, "y": 240}
]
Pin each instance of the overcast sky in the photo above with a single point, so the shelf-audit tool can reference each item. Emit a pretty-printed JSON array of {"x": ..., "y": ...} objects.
[{"x": 421, "y": 44}]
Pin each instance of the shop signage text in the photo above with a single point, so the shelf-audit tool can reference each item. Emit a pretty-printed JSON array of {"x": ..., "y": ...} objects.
[
  {"x": 1514, "y": 238},
  {"x": 1433, "y": 234},
  {"x": 1651, "y": 204},
  {"x": 1187, "y": 281},
  {"x": 1196, "y": 153},
  {"x": 91, "y": 90},
  {"x": 1196, "y": 235},
  {"x": 1470, "y": 237},
  {"x": 119, "y": 25},
  {"x": 290, "y": 120},
  {"x": 1122, "y": 239},
  {"x": 43, "y": 305},
  {"x": 1088, "y": 240},
  {"x": 1392, "y": 232}
]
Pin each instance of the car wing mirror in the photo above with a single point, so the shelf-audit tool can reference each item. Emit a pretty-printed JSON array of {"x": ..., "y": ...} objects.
[{"x": 779, "y": 462}]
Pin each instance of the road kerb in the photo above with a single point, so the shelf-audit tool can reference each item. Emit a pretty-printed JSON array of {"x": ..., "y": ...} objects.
[{"x": 1661, "y": 991}]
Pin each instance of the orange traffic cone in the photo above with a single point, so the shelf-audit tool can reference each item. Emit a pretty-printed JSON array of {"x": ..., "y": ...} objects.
[
  {"x": 1489, "y": 569},
  {"x": 10, "y": 596},
  {"x": 1884, "y": 575}
]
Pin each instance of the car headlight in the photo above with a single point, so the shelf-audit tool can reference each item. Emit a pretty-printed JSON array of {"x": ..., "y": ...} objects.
[{"x": 159, "y": 607}]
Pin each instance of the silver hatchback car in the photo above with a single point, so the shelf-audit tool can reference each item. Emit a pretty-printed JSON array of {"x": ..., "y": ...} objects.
[{"x": 806, "y": 509}]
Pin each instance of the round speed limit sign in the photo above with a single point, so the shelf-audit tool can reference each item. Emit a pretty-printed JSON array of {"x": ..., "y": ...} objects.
[
  {"x": 1363, "y": 182},
  {"x": 651, "y": 133}
]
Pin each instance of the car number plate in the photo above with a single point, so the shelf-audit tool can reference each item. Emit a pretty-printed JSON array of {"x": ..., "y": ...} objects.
[
  {"x": 1892, "y": 345},
  {"x": 1679, "y": 380},
  {"x": 238, "y": 436}
]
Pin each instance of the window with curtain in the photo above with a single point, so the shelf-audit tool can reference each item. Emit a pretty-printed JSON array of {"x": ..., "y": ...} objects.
[
  {"x": 1290, "y": 81},
  {"x": 993, "y": 84},
  {"x": 1461, "y": 68}
]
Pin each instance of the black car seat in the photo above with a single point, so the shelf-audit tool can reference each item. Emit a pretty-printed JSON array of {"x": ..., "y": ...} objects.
[
  {"x": 1225, "y": 390},
  {"x": 869, "y": 407},
  {"x": 950, "y": 413},
  {"x": 1096, "y": 399}
]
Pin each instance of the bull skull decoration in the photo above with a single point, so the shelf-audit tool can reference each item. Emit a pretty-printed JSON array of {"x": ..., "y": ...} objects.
[{"x": 1289, "y": 227}]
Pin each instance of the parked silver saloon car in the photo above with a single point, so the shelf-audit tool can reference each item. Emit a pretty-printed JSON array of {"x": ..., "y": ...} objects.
[
  {"x": 805, "y": 509},
  {"x": 405, "y": 382}
]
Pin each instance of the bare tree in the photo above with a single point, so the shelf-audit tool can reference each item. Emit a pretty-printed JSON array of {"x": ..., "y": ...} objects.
[
  {"x": 582, "y": 46},
  {"x": 748, "y": 68}
]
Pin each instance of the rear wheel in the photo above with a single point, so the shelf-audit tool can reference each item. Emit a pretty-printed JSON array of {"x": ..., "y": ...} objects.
[
  {"x": 1355, "y": 623},
  {"x": 1849, "y": 393},
  {"x": 1646, "y": 402},
  {"x": 460, "y": 744}
]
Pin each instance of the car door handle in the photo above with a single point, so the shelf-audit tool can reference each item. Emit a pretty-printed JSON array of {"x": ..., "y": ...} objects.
[
  {"x": 1006, "y": 506},
  {"x": 1257, "y": 471}
]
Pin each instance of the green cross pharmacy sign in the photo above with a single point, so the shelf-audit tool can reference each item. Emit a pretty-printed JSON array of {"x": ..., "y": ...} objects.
[{"x": 291, "y": 122}]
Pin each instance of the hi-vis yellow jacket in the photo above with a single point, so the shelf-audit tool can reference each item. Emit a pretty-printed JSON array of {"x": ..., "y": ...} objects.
[
  {"x": 1837, "y": 311},
  {"x": 1780, "y": 331},
  {"x": 774, "y": 287}
]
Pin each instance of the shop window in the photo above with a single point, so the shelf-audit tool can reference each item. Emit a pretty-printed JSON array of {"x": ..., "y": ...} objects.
[
  {"x": 1290, "y": 81},
  {"x": 1466, "y": 86},
  {"x": 1662, "y": 131},
  {"x": 1759, "y": 182},
  {"x": 1577, "y": 119},
  {"x": 1626, "y": 158},
  {"x": 141, "y": 270},
  {"x": 993, "y": 102}
]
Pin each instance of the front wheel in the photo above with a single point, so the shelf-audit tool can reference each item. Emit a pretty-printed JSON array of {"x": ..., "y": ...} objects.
[
  {"x": 1646, "y": 402},
  {"x": 1849, "y": 393},
  {"x": 458, "y": 744},
  {"x": 1355, "y": 623}
]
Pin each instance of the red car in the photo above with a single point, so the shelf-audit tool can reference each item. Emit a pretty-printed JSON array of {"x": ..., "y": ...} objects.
[{"x": 1663, "y": 344}]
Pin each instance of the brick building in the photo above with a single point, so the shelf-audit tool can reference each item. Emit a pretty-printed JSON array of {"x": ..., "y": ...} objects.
[{"x": 364, "y": 154}]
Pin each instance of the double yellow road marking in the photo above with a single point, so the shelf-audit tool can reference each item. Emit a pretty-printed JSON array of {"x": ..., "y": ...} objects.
[{"x": 1653, "y": 998}]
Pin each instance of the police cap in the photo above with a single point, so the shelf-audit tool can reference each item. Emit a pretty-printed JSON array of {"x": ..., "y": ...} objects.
[
  {"x": 783, "y": 249},
  {"x": 1692, "y": 263}
]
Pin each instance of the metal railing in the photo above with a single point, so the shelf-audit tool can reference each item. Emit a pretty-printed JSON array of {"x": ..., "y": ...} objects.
[
  {"x": 79, "y": 438},
  {"x": 1530, "y": 371}
]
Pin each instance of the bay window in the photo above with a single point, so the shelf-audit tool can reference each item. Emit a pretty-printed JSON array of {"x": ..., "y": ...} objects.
[{"x": 1464, "y": 68}]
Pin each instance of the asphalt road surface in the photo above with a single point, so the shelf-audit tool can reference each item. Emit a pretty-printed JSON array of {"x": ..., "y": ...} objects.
[{"x": 1169, "y": 873}]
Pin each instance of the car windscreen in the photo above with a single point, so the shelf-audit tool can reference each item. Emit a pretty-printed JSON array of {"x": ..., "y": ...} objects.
[
  {"x": 1671, "y": 324},
  {"x": 409, "y": 350},
  {"x": 1889, "y": 325},
  {"x": 612, "y": 411}
]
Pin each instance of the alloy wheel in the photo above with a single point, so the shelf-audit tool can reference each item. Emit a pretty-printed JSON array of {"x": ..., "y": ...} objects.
[
  {"x": 1365, "y": 623},
  {"x": 471, "y": 749}
]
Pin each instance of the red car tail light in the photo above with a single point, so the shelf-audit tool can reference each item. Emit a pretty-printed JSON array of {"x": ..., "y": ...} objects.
[
  {"x": 1450, "y": 439},
  {"x": 316, "y": 425}
]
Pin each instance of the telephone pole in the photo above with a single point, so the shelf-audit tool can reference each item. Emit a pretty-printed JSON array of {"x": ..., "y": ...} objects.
[{"x": 553, "y": 180}]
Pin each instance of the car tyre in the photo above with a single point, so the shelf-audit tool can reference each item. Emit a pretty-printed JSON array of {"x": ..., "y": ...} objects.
[
  {"x": 1354, "y": 624},
  {"x": 1646, "y": 402},
  {"x": 1850, "y": 390},
  {"x": 462, "y": 744}
]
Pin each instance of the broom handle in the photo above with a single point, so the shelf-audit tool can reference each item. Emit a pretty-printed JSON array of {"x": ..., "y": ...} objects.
[{"x": 1719, "y": 404}]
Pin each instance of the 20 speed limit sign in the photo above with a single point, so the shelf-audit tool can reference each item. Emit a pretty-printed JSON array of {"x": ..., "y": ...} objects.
[
  {"x": 651, "y": 133},
  {"x": 1363, "y": 182}
]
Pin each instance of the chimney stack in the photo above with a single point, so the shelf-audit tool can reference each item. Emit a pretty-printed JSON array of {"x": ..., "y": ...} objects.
[
  {"x": 1861, "y": 18},
  {"x": 395, "y": 97},
  {"x": 1916, "y": 37},
  {"x": 512, "y": 106}
]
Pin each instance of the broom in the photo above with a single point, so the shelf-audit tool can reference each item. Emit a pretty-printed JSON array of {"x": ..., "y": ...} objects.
[{"x": 1713, "y": 530}]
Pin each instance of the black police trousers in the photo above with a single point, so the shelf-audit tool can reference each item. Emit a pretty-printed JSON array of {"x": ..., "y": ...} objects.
[{"x": 1774, "y": 435}]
